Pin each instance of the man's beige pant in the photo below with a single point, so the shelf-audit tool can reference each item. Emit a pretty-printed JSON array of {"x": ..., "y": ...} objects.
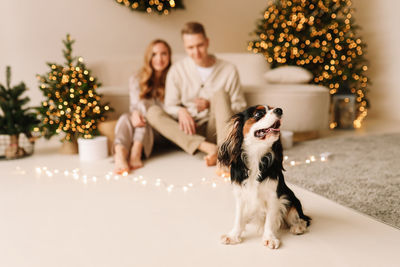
[{"x": 214, "y": 129}]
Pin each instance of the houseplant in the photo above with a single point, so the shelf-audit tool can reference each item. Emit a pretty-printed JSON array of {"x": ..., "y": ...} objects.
[
  {"x": 72, "y": 106},
  {"x": 322, "y": 37},
  {"x": 14, "y": 118}
]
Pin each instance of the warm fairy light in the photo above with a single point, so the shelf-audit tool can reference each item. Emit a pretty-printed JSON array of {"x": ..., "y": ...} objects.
[
  {"x": 159, "y": 6},
  {"x": 328, "y": 46},
  {"x": 72, "y": 104},
  {"x": 213, "y": 182}
]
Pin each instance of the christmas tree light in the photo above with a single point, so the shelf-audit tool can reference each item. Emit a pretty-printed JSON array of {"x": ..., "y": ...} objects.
[
  {"x": 72, "y": 105},
  {"x": 162, "y": 7},
  {"x": 319, "y": 35}
]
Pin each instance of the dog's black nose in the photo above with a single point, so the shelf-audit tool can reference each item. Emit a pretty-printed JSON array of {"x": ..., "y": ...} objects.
[{"x": 278, "y": 111}]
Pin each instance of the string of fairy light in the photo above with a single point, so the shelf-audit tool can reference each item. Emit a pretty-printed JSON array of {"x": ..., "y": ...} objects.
[
  {"x": 77, "y": 175},
  {"x": 72, "y": 105},
  {"x": 319, "y": 36},
  {"x": 149, "y": 6}
]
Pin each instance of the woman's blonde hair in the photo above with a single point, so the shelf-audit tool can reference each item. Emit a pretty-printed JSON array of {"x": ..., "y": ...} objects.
[{"x": 150, "y": 86}]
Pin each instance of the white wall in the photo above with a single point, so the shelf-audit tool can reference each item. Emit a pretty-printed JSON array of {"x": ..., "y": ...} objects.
[
  {"x": 31, "y": 34},
  {"x": 31, "y": 31},
  {"x": 380, "y": 22}
]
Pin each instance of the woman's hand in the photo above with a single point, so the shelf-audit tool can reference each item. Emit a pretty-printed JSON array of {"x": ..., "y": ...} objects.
[
  {"x": 186, "y": 122},
  {"x": 201, "y": 104},
  {"x": 137, "y": 119}
]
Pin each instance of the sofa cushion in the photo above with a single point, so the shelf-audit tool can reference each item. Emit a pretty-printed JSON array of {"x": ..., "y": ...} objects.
[
  {"x": 251, "y": 67},
  {"x": 288, "y": 74}
]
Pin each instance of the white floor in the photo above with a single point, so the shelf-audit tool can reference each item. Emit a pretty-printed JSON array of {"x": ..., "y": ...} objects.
[{"x": 87, "y": 218}]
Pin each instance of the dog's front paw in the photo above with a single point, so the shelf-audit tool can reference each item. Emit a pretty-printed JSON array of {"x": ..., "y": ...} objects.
[
  {"x": 299, "y": 228},
  {"x": 230, "y": 240},
  {"x": 271, "y": 242}
]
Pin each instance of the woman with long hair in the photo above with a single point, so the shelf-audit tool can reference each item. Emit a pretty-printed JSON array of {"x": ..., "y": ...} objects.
[{"x": 133, "y": 135}]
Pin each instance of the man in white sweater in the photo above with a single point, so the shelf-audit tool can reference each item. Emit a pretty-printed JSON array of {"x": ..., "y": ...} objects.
[{"x": 202, "y": 92}]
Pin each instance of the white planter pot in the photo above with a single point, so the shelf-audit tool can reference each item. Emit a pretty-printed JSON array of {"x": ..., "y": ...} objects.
[
  {"x": 92, "y": 149},
  {"x": 287, "y": 139}
]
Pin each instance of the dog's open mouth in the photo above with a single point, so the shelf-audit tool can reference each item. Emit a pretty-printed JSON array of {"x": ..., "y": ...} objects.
[{"x": 273, "y": 129}]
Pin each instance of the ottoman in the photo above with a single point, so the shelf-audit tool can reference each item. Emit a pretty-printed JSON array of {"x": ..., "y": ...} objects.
[{"x": 305, "y": 106}]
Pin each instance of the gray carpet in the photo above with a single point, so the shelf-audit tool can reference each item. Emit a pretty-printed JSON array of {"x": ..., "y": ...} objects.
[{"x": 362, "y": 173}]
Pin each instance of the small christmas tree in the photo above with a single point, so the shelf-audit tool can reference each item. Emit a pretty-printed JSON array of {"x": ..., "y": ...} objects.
[
  {"x": 72, "y": 104},
  {"x": 162, "y": 7},
  {"x": 15, "y": 119},
  {"x": 320, "y": 36}
]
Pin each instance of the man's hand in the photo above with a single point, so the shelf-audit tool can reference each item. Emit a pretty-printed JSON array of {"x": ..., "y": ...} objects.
[
  {"x": 186, "y": 122},
  {"x": 201, "y": 104},
  {"x": 137, "y": 119}
]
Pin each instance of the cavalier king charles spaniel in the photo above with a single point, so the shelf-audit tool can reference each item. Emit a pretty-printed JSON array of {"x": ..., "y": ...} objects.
[{"x": 253, "y": 152}]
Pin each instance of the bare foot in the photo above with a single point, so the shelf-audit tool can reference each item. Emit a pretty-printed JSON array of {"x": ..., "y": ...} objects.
[
  {"x": 135, "y": 160},
  {"x": 135, "y": 163},
  {"x": 212, "y": 153},
  {"x": 211, "y": 159},
  {"x": 120, "y": 158}
]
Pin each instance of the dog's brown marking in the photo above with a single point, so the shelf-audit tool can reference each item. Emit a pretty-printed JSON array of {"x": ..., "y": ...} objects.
[
  {"x": 251, "y": 121},
  {"x": 260, "y": 107},
  {"x": 247, "y": 126}
]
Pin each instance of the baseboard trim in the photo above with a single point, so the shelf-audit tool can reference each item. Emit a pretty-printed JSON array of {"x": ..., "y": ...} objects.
[{"x": 304, "y": 136}]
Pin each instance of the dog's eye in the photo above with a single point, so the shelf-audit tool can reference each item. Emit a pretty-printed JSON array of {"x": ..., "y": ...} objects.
[{"x": 259, "y": 114}]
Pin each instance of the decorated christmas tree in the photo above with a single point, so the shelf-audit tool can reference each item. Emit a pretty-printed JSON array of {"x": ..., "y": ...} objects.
[
  {"x": 319, "y": 35},
  {"x": 162, "y": 7},
  {"x": 72, "y": 104},
  {"x": 14, "y": 117}
]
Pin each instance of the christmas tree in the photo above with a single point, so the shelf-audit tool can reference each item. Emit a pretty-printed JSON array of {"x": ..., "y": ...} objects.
[
  {"x": 162, "y": 7},
  {"x": 319, "y": 35},
  {"x": 15, "y": 119},
  {"x": 72, "y": 104}
]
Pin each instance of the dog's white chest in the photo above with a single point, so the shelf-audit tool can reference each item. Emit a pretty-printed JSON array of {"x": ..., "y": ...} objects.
[{"x": 257, "y": 196}]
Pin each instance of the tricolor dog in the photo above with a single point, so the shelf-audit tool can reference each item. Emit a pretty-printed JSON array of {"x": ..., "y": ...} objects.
[{"x": 253, "y": 152}]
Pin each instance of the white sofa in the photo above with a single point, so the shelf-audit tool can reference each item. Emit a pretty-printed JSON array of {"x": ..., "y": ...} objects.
[{"x": 305, "y": 106}]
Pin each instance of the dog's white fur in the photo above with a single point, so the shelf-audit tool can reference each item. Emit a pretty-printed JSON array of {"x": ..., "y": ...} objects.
[{"x": 258, "y": 202}]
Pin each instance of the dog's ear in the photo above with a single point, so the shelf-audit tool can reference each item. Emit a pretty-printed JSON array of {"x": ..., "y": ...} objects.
[
  {"x": 239, "y": 171},
  {"x": 231, "y": 149}
]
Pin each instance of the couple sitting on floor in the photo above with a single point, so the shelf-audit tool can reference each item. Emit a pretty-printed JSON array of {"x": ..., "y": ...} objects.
[{"x": 188, "y": 103}]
